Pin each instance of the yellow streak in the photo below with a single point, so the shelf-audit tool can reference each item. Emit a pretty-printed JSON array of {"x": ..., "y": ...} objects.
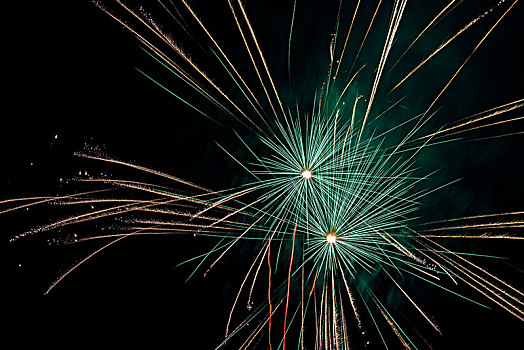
[
  {"x": 497, "y": 136},
  {"x": 351, "y": 299},
  {"x": 396, "y": 16},
  {"x": 192, "y": 199},
  {"x": 392, "y": 325},
  {"x": 439, "y": 265},
  {"x": 346, "y": 41},
  {"x": 441, "y": 47},
  {"x": 484, "y": 283},
  {"x": 239, "y": 211},
  {"x": 169, "y": 41},
  {"x": 151, "y": 188},
  {"x": 253, "y": 335},
  {"x": 147, "y": 170},
  {"x": 225, "y": 57},
  {"x": 467, "y": 59},
  {"x": 467, "y": 272},
  {"x": 501, "y": 107},
  {"x": 103, "y": 201},
  {"x": 188, "y": 77},
  {"x": 486, "y": 125},
  {"x": 509, "y": 224},
  {"x": 414, "y": 304},
  {"x": 223, "y": 200},
  {"x": 53, "y": 285},
  {"x": 347, "y": 85},
  {"x": 242, "y": 287},
  {"x": 423, "y": 31},
  {"x": 252, "y": 58},
  {"x": 233, "y": 243},
  {"x": 146, "y": 232},
  {"x": 393, "y": 242},
  {"x": 476, "y": 217},
  {"x": 103, "y": 213},
  {"x": 124, "y": 208},
  {"x": 176, "y": 213},
  {"x": 325, "y": 314},
  {"x": 159, "y": 52},
  {"x": 471, "y": 121},
  {"x": 366, "y": 35},
  {"x": 344, "y": 327},
  {"x": 179, "y": 51},
  {"x": 41, "y": 200},
  {"x": 183, "y": 224},
  {"x": 262, "y": 57},
  {"x": 481, "y": 269},
  {"x": 478, "y": 236},
  {"x": 334, "y": 327},
  {"x": 403, "y": 250},
  {"x": 23, "y": 199}
]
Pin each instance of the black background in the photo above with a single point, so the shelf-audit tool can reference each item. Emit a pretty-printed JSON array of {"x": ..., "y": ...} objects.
[{"x": 71, "y": 80}]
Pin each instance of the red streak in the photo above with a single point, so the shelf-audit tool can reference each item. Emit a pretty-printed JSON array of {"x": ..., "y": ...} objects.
[
  {"x": 314, "y": 282},
  {"x": 269, "y": 288},
  {"x": 288, "y": 283}
]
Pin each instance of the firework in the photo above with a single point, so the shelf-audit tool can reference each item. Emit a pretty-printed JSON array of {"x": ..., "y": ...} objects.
[{"x": 334, "y": 181}]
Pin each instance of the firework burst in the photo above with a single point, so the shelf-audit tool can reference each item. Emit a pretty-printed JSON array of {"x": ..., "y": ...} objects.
[{"x": 335, "y": 181}]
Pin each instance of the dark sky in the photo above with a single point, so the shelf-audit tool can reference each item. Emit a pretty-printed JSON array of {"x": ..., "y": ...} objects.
[{"x": 71, "y": 81}]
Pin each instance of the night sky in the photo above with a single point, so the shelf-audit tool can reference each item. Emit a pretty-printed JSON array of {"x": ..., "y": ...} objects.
[{"x": 71, "y": 81}]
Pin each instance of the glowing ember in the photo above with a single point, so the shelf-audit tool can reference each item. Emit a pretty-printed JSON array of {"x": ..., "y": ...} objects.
[
  {"x": 331, "y": 237},
  {"x": 306, "y": 174}
]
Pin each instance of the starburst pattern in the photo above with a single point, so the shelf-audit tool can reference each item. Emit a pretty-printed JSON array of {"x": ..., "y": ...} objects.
[{"x": 333, "y": 190}]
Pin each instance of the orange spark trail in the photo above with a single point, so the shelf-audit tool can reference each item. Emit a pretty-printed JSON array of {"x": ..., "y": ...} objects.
[
  {"x": 269, "y": 279},
  {"x": 288, "y": 282},
  {"x": 470, "y": 24},
  {"x": 471, "y": 121},
  {"x": 366, "y": 35},
  {"x": 147, "y": 170},
  {"x": 347, "y": 86},
  {"x": 466, "y": 61},
  {"x": 53, "y": 285},
  {"x": 475, "y": 217},
  {"x": 235, "y": 241},
  {"x": 40, "y": 200},
  {"x": 475, "y": 237},
  {"x": 262, "y": 57},
  {"x": 509, "y": 224},
  {"x": 226, "y": 58},
  {"x": 252, "y": 58},
  {"x": 414, "y": 304},
  {"x": 347, "y": 38},
  {"x": 392, "y": 324},
  {"x": 433, "y": 21},
  {"x": 393, "y": 26},
  {"x": 314, "y": 282}
]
